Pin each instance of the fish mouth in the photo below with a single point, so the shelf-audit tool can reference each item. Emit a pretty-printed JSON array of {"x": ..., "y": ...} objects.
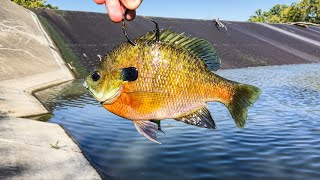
[
  {"x": 85, "y": 84},
  {"x": 104, "y": 99},
  {"x": 113, "y": 98}
]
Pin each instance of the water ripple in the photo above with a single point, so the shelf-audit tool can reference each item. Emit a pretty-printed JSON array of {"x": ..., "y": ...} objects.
[{"x": 281, "y": 139}]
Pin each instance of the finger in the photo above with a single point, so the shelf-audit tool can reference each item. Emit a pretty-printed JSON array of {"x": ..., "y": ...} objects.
[
  {"x": 131, "y": 4},
  {"x": 130, "y": 15},
  {"x": 100, "y": 1},
  {"x": 123, "y": 8},
  {"x": 114, "y": 10}
]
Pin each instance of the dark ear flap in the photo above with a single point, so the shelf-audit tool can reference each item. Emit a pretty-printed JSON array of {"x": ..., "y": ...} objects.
[{"x": 129, "y": 74}]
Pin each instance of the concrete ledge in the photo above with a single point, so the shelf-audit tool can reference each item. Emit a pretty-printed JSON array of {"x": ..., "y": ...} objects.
[
  {"x": 28, "y": 150},
  {"x": 16, "y": 94}
]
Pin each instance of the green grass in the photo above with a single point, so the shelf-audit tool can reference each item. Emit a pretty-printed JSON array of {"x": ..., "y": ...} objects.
[{"x": 64, "y": 49}]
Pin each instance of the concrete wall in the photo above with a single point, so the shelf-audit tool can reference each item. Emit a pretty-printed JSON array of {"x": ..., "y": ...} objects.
[{"x": 29, "y": 61}]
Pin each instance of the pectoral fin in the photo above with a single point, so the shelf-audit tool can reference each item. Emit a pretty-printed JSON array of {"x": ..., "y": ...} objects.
[
  {"x": 148, "y": 129},
  {"x": 200, "y": 118},
  {"x": 146, "y": 102}
]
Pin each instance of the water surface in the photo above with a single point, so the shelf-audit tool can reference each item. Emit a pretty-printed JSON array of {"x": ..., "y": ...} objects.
[{"x": 281, "y": 138}]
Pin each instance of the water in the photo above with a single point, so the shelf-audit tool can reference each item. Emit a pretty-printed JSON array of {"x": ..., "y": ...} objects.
[{"x": 281, "y": 138}]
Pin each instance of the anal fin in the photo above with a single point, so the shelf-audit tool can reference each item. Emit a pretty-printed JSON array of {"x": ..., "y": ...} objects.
[
  {"x": 148, "y": 129},
  {"x": 200, "y": 118}
]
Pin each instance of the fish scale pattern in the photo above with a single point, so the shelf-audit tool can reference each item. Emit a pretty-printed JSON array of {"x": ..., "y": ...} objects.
[
  {"x": 172, "y": 80},
  {"x": 183, "y": 80}
]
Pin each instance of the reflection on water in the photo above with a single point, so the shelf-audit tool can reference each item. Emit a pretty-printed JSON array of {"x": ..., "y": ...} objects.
[{"x": 281, "y": 138}]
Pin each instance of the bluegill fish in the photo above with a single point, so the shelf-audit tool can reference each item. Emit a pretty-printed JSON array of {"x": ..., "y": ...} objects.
[{"x": 171, "y": 78}]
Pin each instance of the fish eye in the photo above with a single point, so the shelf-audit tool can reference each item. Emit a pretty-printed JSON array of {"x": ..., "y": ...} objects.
[
  {"x": 95, "y": 76},
  {"x": 129, "y": 74}
]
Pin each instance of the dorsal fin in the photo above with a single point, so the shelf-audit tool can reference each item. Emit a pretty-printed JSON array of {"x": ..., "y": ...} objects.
[{"x": 198, "y": 47}]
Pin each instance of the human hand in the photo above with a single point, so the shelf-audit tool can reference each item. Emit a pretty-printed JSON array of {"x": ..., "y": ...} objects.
[{"x": 116, "y": 8}]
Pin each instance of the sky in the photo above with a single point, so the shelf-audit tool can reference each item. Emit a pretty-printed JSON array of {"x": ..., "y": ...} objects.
[{"x": 235, "y": 10}]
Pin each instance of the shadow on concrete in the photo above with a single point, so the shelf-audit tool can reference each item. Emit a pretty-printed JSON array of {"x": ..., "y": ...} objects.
[{"x": 7, "y": 172}]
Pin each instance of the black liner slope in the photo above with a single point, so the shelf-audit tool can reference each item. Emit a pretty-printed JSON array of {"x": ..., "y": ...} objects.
[{"x": 243, "y": 45}]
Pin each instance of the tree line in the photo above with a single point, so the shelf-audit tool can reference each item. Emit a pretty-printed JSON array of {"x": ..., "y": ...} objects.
[
  {"x": 34, "y": 4},
  {"x": 301, "y": 11}
]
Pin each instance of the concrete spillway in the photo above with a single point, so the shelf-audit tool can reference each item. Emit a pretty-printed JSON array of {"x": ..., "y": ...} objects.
[
  {"x": 29, "y": 61},
  {"x": 244, "y": 44}
]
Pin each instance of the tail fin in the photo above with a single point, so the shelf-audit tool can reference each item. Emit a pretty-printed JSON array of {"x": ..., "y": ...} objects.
[{"x": 245, "y": 96}]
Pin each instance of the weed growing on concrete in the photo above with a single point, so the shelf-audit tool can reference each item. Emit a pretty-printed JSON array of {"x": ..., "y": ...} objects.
[{"x": 56, "y": 146}]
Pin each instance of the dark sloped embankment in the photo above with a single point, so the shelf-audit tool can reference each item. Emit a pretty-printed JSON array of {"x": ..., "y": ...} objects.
[{"x": 242, "y": 45}]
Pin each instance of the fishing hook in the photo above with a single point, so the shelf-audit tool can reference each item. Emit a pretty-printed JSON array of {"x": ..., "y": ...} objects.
[
  {"x": 125, "y": 31},
  {"x": 128, "y": 37},
  {"x": 157, "y": 30}
]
